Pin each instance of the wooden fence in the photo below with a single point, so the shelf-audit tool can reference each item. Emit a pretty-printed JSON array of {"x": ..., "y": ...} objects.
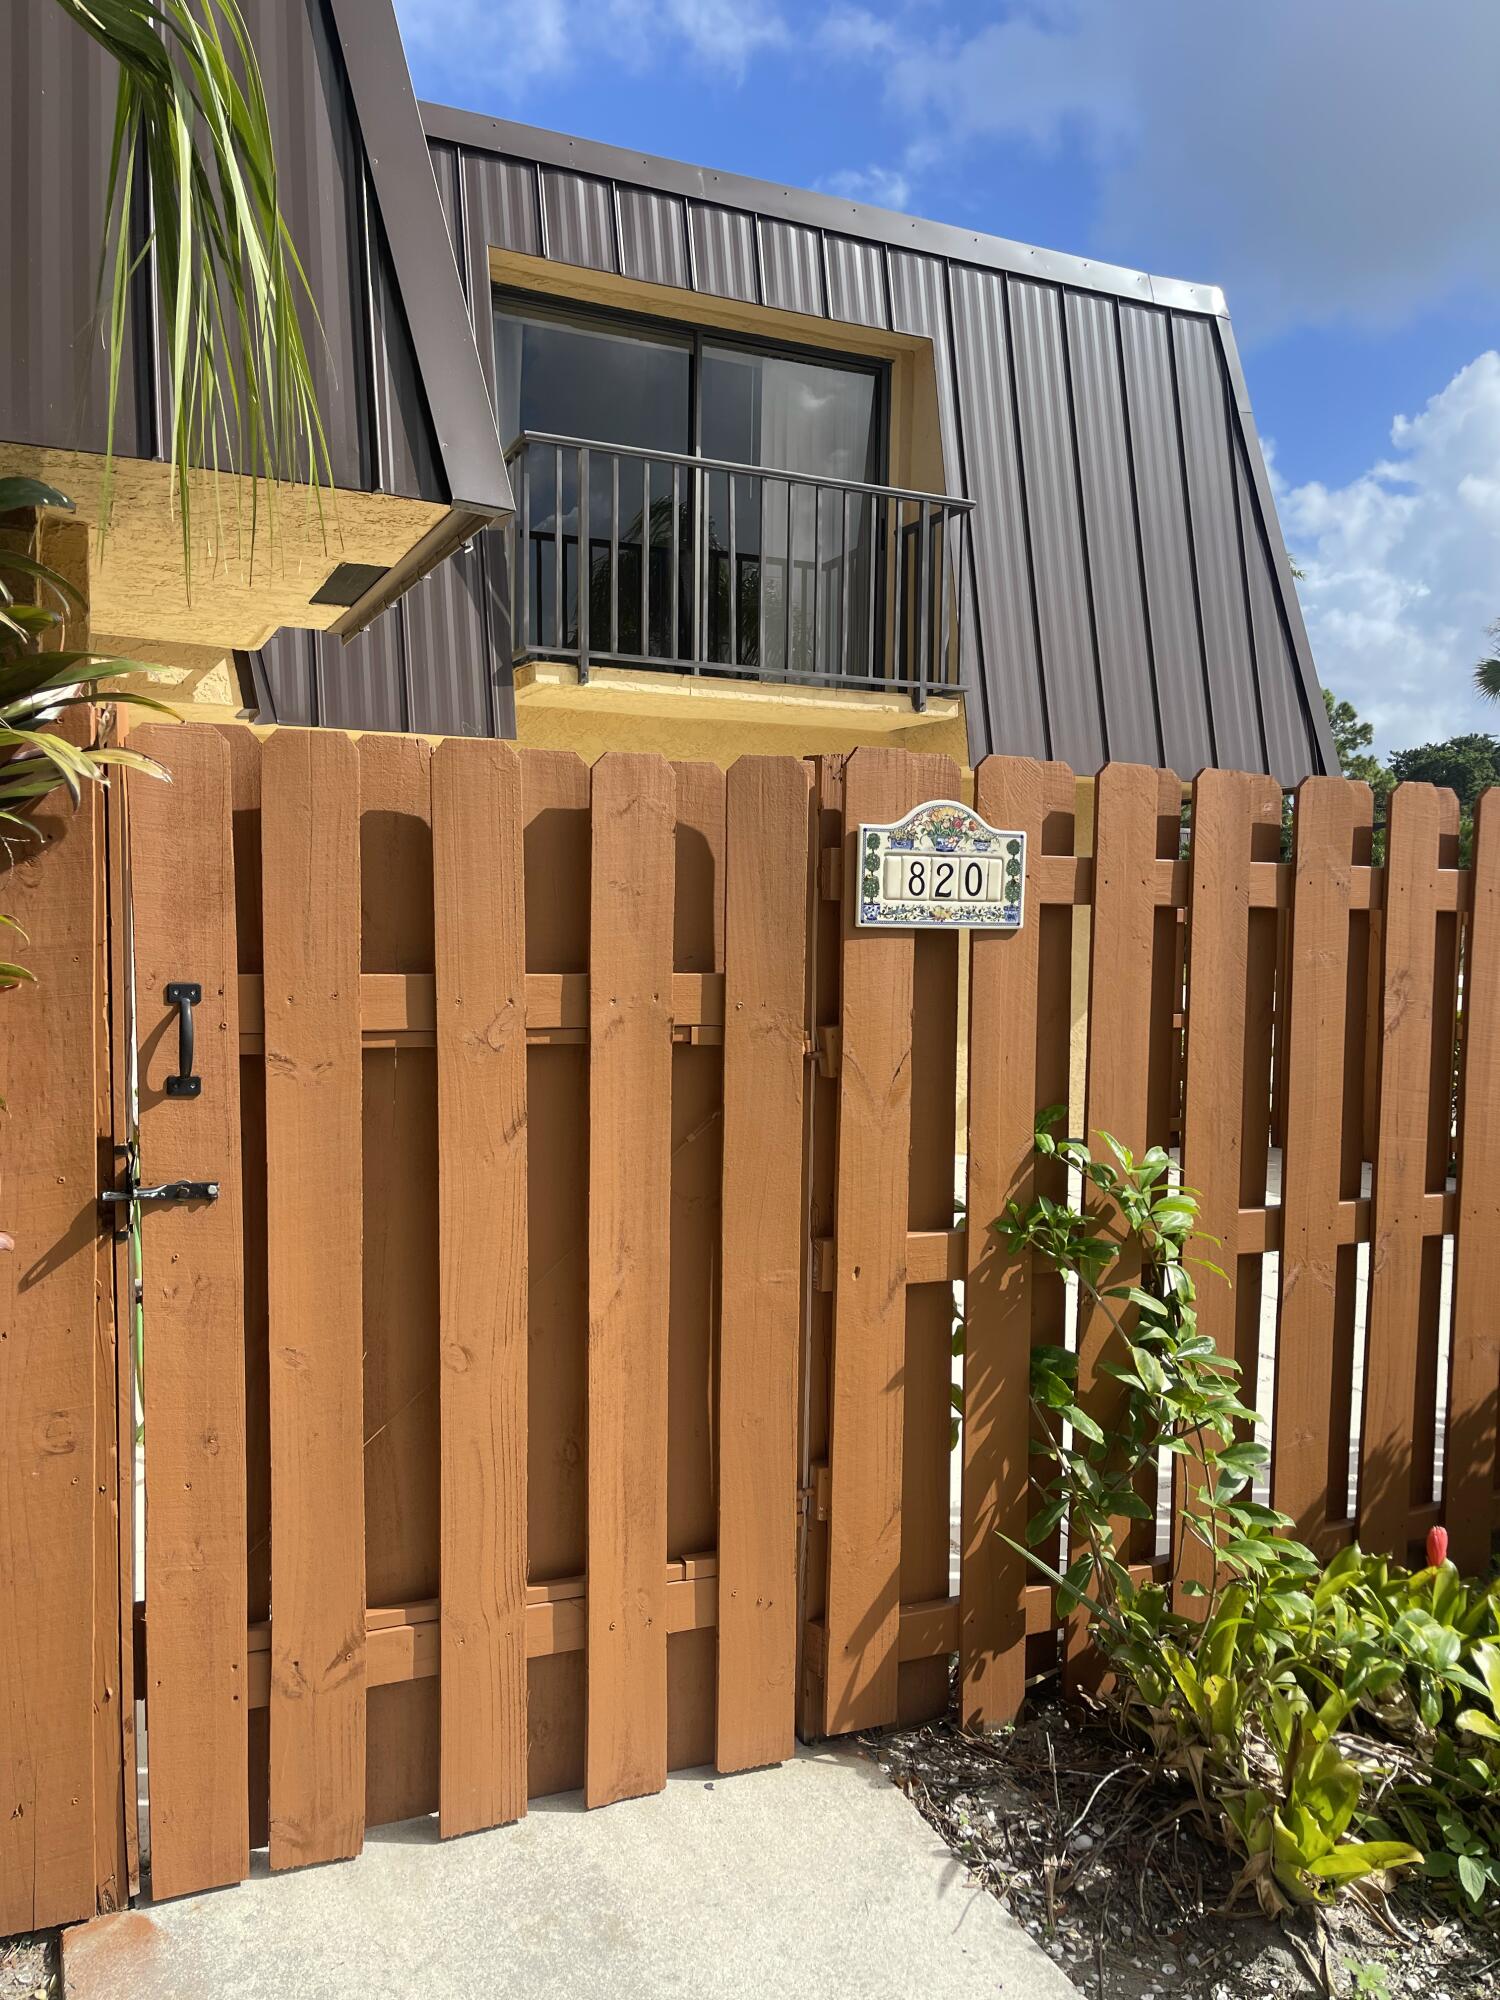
[{"x": 558, "y": 1391}]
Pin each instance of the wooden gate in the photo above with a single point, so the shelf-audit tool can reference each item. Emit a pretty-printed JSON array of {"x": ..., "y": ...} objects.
[{"x": 470, "y": 1426}]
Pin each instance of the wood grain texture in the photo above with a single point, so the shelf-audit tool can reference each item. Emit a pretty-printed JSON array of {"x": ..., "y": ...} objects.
[
  {"x": 399, "y": 1202},
  {"x": 555, "y": 800},
  {"x": 1419, "y": 816},
  {"x": 1471, "y": 1469},
  {"x": 47, "y": 1368},
  {"x": 310, "y": 871},
  {"x": 1117, "y": 1098},
  {"x": 193, "y": 1297},
  {"x": 867, "y": 1442},
  {"x": 480, "y": 943},
  {"x": 1229, "y": 807},
  {"x": 761, "y": 1313},
  {"x": 1330, "y": 812},
  {"x": 1009, "y": 792},
  {"x": 630, "y": 1083}
]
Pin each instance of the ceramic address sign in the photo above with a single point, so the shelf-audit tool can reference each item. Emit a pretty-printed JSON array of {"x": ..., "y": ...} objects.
[{"x": 941, "y": 865}]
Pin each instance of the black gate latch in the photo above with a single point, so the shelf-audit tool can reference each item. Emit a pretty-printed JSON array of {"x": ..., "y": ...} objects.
[{"x": 165, "y": 1191}]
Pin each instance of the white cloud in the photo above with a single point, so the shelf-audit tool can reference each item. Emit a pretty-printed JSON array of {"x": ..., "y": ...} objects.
[
  {"x": 1338, "y": 161},
  {"x": 510, "y": 43},
  {"x": 886, "y": 187},
  {"x": 1403, "y": 566}
]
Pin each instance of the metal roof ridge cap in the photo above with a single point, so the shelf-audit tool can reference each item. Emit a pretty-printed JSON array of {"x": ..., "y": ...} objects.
[
  {"x": 483, "y": 131},
  {"x": 424, "y": 260}
]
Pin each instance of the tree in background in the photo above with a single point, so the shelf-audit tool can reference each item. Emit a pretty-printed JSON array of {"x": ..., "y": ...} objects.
[
  {"x": 1465, "y": 765},
  {"x": 1487, "y": 673},
  {"x": 1352, "y": 739}
]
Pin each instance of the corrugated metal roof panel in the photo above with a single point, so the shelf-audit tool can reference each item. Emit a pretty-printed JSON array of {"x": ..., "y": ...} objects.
[
  {"x": 856, "y": 282},
  {"x": 1238, "y": 741},
  {"x": 653, "y": 238},
  {"x": 446, "y": 171},
  {"x": 364, "y": 685},
  {"x": 919, "y": 304},
  {"x": 1126, "y": 678},
  {"x": 406, "y": 454},
  {"x": 58, "y": 89},
  {"x": 1171, "y": 591},
  {"x": 447, "y": 649},
  {"x": 792, "y": 258},
  {"x": 1053, "y": 508},
  {"x": 579, "y": 212},
  {"x": 724, "y": 257},
  {"x": 500, "y": 198},
  {"x": 1014, "y": 716},
  {"x": 284, "y": 673},
  {"x": 1281, "y": 702}
]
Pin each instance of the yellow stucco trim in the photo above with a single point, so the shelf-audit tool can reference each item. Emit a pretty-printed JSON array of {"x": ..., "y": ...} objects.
[
  {"x": 709, "y": 717},
  {"x": 136, "y": 581}
]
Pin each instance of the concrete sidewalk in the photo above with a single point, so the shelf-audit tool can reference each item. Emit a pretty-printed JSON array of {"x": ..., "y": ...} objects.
[{"x": 818, "y": 1879}]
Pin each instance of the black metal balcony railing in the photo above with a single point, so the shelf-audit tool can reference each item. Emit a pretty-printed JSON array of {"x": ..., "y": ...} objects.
[{"x": 703, "y": 566}]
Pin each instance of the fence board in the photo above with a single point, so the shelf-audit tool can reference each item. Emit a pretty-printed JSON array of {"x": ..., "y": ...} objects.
[
  {"x": 480, "y": 970},
  {"x": 47, "y": 1412},
  {"x": 1329, "y": 814},
  {"x": 1228, "y": 810},
  {"x": 762, "y": 1280},
  {"x": 1004, "y": 975},
  {"x": 1418, "y": 817},
  {"x": 1117, "y": 1097},
  {"x": 310, "y": 861},
  {"x": 1471, "y": 1469},
  {"x": 555, "y": 800},
  {"x": 193, "y": 1295},
  {"x": 695, "y": 1232},
  {"x": 869, "y": 1351},
  {"x": 630, "y": 1082}
]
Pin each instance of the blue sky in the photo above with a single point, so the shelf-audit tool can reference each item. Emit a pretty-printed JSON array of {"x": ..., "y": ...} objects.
[{"x": 1334, "y": 165}]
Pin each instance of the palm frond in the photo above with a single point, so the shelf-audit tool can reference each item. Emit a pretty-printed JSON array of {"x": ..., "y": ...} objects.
[
  {"x": 191, "y": 108},
  {"x": 1487, "y": 679}
]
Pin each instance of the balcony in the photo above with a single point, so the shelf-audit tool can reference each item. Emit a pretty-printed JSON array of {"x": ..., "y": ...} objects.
[{"x": 699, "y": 566}]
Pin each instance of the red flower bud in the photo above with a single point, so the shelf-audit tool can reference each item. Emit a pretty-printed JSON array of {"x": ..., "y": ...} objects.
[{"x": 1437, "y": 1547}]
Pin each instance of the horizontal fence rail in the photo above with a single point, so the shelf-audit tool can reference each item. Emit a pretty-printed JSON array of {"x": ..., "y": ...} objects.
[{"x": 708, "y": 566}]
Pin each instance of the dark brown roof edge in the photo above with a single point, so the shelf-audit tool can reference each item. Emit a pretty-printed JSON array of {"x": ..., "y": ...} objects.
[
  {"x": 427, "y": 278},
  {"x": 818, "y": 211}
]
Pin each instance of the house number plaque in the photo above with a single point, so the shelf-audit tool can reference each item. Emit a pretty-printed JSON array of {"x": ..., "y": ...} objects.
[{"x": 941, "y": 866}]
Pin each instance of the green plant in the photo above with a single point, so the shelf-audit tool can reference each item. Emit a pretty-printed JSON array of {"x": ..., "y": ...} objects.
[
  {"x": 41, "y": 681},
  {"x": 1243, "y": 1684},
  {"x": 191, "y": 108}
]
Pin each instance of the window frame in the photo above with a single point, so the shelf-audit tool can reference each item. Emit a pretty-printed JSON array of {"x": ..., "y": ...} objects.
[{"x": 693, "y": 336}]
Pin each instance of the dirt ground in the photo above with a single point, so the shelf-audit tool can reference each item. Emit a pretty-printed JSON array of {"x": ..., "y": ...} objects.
[
  {"x": 29, "y": 1968},
  {"x": 1062, "y": 1820}
]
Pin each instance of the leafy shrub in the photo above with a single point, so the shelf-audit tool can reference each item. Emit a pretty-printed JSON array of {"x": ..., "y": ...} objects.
[{"x": 1335, "y": 1722}]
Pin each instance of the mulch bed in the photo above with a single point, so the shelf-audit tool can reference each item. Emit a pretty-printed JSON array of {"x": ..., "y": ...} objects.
[{"x": 1105, "y": 1863}]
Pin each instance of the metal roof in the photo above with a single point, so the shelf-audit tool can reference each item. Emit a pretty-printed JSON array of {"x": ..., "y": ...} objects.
[{"x": 1131, "y": 592}]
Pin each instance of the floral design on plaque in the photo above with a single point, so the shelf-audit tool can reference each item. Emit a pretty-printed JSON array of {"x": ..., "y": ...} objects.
[{"x": 941, "y": 867}]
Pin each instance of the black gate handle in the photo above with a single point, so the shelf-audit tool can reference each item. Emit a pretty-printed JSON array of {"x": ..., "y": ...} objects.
[{"x": 184, "y": 995}]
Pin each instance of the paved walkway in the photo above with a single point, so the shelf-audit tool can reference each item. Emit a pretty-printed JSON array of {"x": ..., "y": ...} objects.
[{"x": 818, "y": 1879}]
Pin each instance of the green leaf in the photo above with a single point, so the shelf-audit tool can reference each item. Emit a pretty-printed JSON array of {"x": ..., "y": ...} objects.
[
  {"x": 1083, "y": 1423},
  {"x": 1472, "y": 1877},
  {"x": 16, "y": 492},
  {"x": 1364, "y": 1857}
]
